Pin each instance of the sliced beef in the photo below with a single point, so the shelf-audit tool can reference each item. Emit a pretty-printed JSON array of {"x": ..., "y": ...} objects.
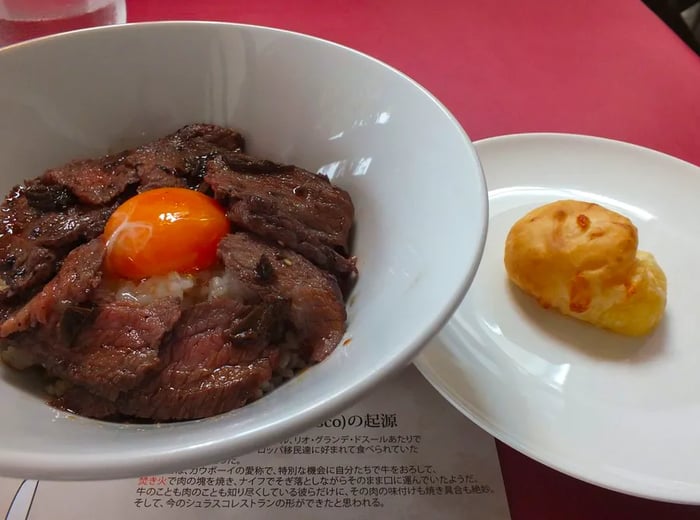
[
  {"x": 308, "y": 199},
  {"x": 116, "y": 349},
  {"x": 317, "y": 308},
  {"x": 242, "y": 163},
  {"x": 220, "y": 136},
  {"x": 49, "y": 197},
  {"x": 211, "y": 393},
  {"x": 296, "y": 208},
  {"x": 51, "y": 215},
  {"x": 205, "y": 337},
  {"x": 264, "y": 324},
  {"x": 157, "y": 178},
  {"x": 24, "y": 265},
  {"x": 178, "y": 159},
  {"x": 66, "y": 229},
  {"x": 79, "y": 400},
  {"x": 171, "y": 161},
  {"x": 230, "y": 387},
  {"x": 204, "y": 372},
  {"x": 76, "y": 279},
  {"x": 16, "y": 212},
  {"x": 93, "y": 181},
  {"x": 46, "y": 224}
]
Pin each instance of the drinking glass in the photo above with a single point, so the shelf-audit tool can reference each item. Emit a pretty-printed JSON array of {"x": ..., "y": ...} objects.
[{"x": 25, "y": 19}]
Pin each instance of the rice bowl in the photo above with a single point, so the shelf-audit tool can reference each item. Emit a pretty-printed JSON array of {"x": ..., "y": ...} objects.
[{"x": 419, "y": 194}]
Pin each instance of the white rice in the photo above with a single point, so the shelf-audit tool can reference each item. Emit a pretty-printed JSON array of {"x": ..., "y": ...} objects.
[{"x": 191, "y": 288}]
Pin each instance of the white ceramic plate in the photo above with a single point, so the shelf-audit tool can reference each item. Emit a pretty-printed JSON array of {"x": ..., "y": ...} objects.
[{"x": 618, "y": 412}]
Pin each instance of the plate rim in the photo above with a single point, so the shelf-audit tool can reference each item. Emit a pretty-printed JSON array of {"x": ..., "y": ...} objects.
[{"x": 616, "y": 483}]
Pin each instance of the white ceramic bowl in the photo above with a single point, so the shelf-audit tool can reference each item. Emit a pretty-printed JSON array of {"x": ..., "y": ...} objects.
[{"x": 419, "y": 192}]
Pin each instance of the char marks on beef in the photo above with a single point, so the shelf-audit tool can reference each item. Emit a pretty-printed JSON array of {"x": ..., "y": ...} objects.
[
  {"x": 317, "y": 308},
  {"x": 79, "y": 275},
  {"x": 48, "y": 197},
  {"x": 24, "y": 265},
  {"x": 116, "y": 347},
  {"x": 178, "y": 159},
  {"x": 75, "y": 225},
  {"x": 93, "y": 181},
  {"x": 203, "y": 371},
  {"x": 115, "y": 352},
  {"x": 31, "y": 253},
  {"x": 287, "y": 205},
  {"x": 175, "y": 160},
  {"x": 171, "y": 359}
]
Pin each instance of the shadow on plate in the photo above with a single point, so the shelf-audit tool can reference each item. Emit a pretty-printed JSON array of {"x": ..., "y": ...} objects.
[
  {"x": 30, "y": 381},
  {"x": 588, "y": 339}
]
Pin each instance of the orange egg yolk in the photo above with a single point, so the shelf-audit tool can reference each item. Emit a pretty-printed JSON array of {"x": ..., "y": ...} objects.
[{"x": 164, "y": 230}]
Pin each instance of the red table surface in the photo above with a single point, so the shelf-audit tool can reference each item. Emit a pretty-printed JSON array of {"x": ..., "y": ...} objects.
[{"x": 600, "y": 67}]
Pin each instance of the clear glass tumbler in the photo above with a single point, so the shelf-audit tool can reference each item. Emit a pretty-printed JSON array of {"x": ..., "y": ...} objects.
[{"x": 25, "y": 19}]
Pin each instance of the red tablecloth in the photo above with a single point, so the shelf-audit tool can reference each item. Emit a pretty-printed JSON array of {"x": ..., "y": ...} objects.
[{"x": 599, "y": 67}]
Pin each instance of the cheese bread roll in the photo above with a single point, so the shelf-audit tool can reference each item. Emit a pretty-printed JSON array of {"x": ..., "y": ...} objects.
[{"x": 582, "y": 260}]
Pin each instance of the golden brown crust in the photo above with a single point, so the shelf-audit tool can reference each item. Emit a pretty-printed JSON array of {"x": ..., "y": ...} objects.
[{"x": 581, "y": 259}]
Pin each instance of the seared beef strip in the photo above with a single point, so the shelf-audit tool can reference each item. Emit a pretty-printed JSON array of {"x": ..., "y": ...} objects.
[
  {"x": 24, "y": 265},
  {"x": 120, "y": 347},
  {"x": 220, "y": 136},
  {"x": 48, "y": 197},
  {"x": 288, "y": 205},
  {"x": 93, "y": 181},
  {"x": 230, "y": 387},
  {"x": 31, "y": 258},
  {"x": 177, "y": 159},
  {"x": 79, "y": 275},
  {"x": 157, "y": 178},
  {"x": 171, "y": 161},
  {"x": 212, "y": 393},
  {"x": 203, "y": 371},
  {"x": 17, "y": 211},
  {"x": 317, "y": 308},
  {"x": 115, "y": 348},
  {"x": 76, "y": 225},
  {"x": 264, "y": 324}
]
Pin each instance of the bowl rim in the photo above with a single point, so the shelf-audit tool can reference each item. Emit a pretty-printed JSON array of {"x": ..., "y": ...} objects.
[{"x": 134, "y": 463}]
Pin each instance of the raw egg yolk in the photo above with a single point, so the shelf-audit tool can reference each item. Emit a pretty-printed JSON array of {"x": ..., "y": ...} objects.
[{"x": 164, "y": 230}]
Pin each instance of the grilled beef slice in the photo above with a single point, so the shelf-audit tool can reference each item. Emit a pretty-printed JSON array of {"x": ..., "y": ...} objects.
[
  {"x": 174, "y": 160},
  {"x": 178, "y": 159},
  {"x": 203, "y": 370},
  {"x": 93, "y": 181},
  {"x": 114, "y": 348},
  {"x": 317, "y": 308},
  {"x": 298, "y": 209},
  {"x": 24, "y": 265},
  {"x": 79, "y": 275}
]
